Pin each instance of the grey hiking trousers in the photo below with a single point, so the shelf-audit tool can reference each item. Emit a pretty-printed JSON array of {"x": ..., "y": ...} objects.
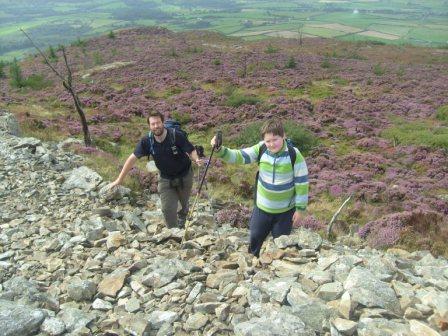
[{"x": 173, "y": 193}]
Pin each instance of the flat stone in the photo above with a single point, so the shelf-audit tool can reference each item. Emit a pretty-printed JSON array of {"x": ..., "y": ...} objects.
[
  {"x": 344, "y": 326},
  {"x": 421, "y": 329},
  {"x": 132, "y": 305},
  {"x": 277, "y": 323},
  {"x": 157, "y": 318},
  {"x": 99, "y": 304},
  {"x": 135, "y": 325},
  {"x": 112, "y": 283},
  {"x": 115, "y": 239},
  {"x": 330, "y": 291},
  {"x": 195, "y": 322}
]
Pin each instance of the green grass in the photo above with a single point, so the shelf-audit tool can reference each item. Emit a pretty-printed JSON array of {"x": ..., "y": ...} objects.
[
  {"x": 442, "y": 113},
  {"x": 422, "y": 133},
  {"x": 236, "y": 99}
]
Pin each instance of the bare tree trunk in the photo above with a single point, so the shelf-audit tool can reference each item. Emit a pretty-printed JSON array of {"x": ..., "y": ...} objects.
[{"x": 67, "y": 83}]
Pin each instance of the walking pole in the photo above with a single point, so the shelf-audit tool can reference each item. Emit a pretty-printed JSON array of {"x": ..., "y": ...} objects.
[{"x": 190, "y": 212}]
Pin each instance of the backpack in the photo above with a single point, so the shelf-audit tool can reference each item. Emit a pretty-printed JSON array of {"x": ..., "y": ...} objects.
[{"x": 263, "y": 148}]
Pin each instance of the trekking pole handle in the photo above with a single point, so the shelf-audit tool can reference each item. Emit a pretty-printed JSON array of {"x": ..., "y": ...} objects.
[{"x": 218, "y": 140}]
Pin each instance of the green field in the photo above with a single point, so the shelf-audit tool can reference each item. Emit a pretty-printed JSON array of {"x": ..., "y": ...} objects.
[{"x": 54, "y": 22}]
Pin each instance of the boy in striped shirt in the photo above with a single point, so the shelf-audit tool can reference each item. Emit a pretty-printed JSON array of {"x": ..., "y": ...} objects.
[{"x": 282, "y": 185}]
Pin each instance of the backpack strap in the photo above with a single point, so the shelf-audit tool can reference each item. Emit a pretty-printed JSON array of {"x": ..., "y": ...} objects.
[
  {"x": 151, "y": 144},
  {"x": 292, "y": 156},
  {"x": 261, "y": 151},
  {"x": 172, "y": 134}
]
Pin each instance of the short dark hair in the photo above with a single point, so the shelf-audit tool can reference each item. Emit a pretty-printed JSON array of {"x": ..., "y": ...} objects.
[
  {"x": 156, "y": 114},
  {"x": 273, "y": 126}
]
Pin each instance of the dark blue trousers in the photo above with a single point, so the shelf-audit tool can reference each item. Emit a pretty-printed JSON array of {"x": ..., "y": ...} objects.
[{"x": 262, "y": 223}]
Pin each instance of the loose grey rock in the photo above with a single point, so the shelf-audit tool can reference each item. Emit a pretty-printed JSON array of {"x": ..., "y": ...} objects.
[
  {"x": 83, "y": 178},
  {"x": 196, "y": 322},
  {"x": 80, "y": 290},
  {"x": 367, "y": 290},
  {"x": 277, "y": 323},
  {"x": 17, "y": 319},
  {"x": 157, "y": 318},
  {"x": 53, "y": 326}
]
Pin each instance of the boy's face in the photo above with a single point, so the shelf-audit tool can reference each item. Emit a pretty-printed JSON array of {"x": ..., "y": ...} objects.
[
  {"x": 156, "y": 125},
  {"x": 273, "y": 142}
]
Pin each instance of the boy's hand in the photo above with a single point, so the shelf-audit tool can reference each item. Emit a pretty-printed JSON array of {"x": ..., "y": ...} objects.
[
  {"x": 213, "y": 142},
  {"x": 296, "y": 218},
  {"x": 217, "y": 141}
]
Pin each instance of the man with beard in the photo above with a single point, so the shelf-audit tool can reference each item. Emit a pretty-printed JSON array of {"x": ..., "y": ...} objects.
[{"x": 172, "y": 153}]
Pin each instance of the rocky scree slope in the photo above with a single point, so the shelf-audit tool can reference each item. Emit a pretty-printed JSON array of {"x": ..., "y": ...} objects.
[{"x": 77, "y": 259}]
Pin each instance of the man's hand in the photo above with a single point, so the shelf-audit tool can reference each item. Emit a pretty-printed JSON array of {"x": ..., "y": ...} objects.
[
  {"x": 114, "y": 183},
  {"x": 296, "y": 218}
]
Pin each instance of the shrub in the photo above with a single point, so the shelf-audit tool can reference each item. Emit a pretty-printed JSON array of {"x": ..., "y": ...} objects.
[
  {"x": 183, "y": 118},
  {"x": 270, "y": 49},
  {"x": 173, "y": 52},
  {"x": 291, "y": 64},
  {"x": 303, "y": 139},
  {"x": 237, "y": 99},
  {"x": 15, "y": 75},
  {"x": 97, "y": 58},
  {"x": 441, "y": 114},
  {"x": 111, "y": 34},
  {"x": 379, "y": 70},
  {"x": 326, "y": 63},
  {"x": 229, "y": 89},
  {"x": 79, "y": 43},
  {"x": 36, "y": 82},
  {"x": 216, "y": 61},
  {"x": 2, "y": 69},
  {"x": 52, "y": 54}
]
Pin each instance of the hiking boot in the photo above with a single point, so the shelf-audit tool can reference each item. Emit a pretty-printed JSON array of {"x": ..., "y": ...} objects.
[{"x": 181, "y": 223}]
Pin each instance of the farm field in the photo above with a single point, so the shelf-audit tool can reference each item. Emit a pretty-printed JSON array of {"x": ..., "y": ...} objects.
[{"x": 61, "y": 22}]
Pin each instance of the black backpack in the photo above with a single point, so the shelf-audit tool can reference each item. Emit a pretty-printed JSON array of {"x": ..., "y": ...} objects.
[
  {"x": 172, "y": 126},
  {"x": 263, "y": 148}
]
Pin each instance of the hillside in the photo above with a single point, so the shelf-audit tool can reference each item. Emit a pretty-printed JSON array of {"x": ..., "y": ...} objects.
[{"x": 375, "y": 117}]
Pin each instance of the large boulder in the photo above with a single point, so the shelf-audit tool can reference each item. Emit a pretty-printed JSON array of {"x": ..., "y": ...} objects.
[
  {"x": 83, "y": 178},
  {"x": 8, "y": 123},
  {"x": 17, "y": 319},
  {"x": 367, "y": 290}
]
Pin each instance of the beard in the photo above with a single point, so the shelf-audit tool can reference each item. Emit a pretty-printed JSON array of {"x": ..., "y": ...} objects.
[{"x": 158, "y": 131}]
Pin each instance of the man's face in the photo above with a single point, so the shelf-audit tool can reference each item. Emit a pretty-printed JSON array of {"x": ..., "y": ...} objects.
[
  {"x": 273, "y": 142},
  {"x": 156, "y": 125}
]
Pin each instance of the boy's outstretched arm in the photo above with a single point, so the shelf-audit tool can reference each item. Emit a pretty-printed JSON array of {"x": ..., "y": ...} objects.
[{"x": 239, "y": 156}]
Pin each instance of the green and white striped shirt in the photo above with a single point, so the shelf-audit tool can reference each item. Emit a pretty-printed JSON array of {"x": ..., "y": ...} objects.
[{"x": 279, "y": 187}]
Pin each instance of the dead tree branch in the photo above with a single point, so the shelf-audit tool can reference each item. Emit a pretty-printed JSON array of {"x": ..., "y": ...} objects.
[{"x": 67, "y": 82}]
